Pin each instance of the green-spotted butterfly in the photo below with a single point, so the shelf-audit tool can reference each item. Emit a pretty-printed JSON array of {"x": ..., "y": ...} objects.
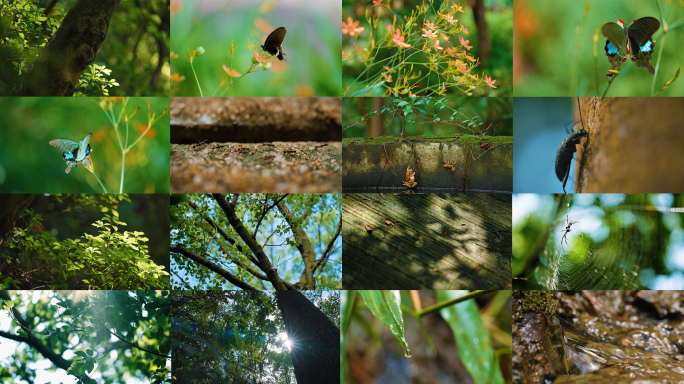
[
  {"x": 75, "y": 153},
  {"x": 638, "y": 37}
]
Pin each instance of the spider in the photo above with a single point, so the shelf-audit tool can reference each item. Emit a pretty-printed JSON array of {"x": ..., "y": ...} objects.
[{"x": 568, "y": 224}]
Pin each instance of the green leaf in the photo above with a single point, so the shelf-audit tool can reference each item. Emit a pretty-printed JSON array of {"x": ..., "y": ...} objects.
[
  {"x": 9, "y": 303},
  {"x": 472, "y": 340},
  {"x": 386, "y": 306},
  {"x": 89, "y": 365},
  {"x": 54, "y": 339}
]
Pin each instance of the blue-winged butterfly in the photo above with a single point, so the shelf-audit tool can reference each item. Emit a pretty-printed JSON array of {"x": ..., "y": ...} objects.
[
  {"x": 74, "y": 153},
  {"x": 637, "y": 37}
]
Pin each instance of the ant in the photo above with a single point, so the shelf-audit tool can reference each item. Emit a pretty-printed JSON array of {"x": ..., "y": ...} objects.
[{"x": 567, "y": 229}]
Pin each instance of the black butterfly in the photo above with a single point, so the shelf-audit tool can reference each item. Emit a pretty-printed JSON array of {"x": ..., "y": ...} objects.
[{"x": 274, "y": 43}]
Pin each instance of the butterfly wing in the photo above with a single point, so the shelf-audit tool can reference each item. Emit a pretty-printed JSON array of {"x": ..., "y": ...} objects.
[
  {"x": 640, "y": 33},
  {"x": 84, "y": 150},
  {"x": 617, "y": 39},
  {"x": 65, "y": 145},
  {"x": 641, "y": 43},
  {"x": 274, "y": 42}
]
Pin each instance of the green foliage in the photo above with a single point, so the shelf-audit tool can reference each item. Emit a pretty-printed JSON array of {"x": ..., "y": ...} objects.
[
  {"x": 432, "y": 116},
  {"x": 109, "y": 259},
  {"x": 114, "y": 335},
  {"x": 94, "y": 81},
  {"x": 27, "y": 30}
]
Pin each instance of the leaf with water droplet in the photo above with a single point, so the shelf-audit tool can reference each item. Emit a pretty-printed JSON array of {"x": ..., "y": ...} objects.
[
  {"x": 472, "y": 340},
  {"x": 386, "y": 306}
]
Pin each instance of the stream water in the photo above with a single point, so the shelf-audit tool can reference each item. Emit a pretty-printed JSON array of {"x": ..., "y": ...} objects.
[{"x": 628, "y": 342}]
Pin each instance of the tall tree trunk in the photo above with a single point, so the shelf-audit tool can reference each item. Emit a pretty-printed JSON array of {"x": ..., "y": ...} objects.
[
  {"x": 315, "y": 339},
  {"x": 71, "y": 49},
  {"x": 482, "y": 35}
]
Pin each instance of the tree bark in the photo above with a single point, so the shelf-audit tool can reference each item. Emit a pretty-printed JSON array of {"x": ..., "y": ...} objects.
[
  {"x": 71, "y": 49},
  {"x": 315, "y": 339},
  {"x": 482, "y": 34},
  {"x": 12, "y": 207},
  {"x": 634, "y": 145}
]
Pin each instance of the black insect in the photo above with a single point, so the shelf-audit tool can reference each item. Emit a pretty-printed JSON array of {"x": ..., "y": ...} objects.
[
  {"x": 566, "y": 150},
  {"x": 568, "y": 224},
  {"x": 274, "y": 43}
]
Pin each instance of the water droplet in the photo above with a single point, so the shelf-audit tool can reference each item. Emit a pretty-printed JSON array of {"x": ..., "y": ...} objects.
[{"x": 407, "y": 353}]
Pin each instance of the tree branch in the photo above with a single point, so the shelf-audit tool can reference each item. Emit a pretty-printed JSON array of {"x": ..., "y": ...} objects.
[
  {"x": 213, "y": 267},
  {"x": 303, "y": 245},
  {"x": 251, "y": 242},
  {"x": 31, "y": 340},
  {"x": 324, "y": 256},
  {"x": 266, "y": 211}
]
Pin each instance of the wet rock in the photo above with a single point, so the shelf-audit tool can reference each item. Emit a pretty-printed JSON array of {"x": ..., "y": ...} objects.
[{"x": 661, "y": 304}]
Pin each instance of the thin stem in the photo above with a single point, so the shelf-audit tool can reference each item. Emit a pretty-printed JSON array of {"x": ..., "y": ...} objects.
[
  {"x": 447, "y": 303},
  {"x": 196, "y": 79},
  {"x": 101, "y": 185}
]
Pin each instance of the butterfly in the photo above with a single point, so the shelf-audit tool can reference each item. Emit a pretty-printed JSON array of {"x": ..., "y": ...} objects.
[
  {"x": 274, "y": 42},
  {"x": 638, "y": 38},
  {"x": 75, "y": 153}
]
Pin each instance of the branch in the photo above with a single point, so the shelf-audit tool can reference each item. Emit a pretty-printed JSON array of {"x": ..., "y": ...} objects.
[
  {"x": 266, "y": 211},
  {"x": 31, "y": 340},
  {"x": 225, "y": 235},
  {"x": 137, "y": 346},
  {"x": 251, "y": 242},
  {"x": 303, "y": 245},
  {"x": 213, "y": 267},
  {"x": 324, "y": 256}
]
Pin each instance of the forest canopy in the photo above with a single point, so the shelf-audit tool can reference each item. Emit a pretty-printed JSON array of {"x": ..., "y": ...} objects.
[
  {"x": 256, "y": 241},
  {"x": 237, "y": 337}
]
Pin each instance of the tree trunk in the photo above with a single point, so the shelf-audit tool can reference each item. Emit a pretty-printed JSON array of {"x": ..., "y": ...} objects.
[
  {"x": 634, "y": 145},
  {"x": 482, "y": 35},
  {"x": 375, "y": 126},
  {"x": 12, "y": 207},
  {"x": 71, "y": 49},
  {"x": 315, "y": 339}
]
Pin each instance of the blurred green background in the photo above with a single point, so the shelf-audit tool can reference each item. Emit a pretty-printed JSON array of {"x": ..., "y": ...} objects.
[
  {"x": 499, "y": 20},
  {"x": 29, "y": 164},
  {"x": 554, "y": 48},
  {"x": 312, "y": 47},
  {"x": 482, "y": 111}
]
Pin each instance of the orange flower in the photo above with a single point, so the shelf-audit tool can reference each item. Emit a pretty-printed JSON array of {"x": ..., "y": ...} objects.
[
  {"x": 452, "y": 52},
  {"x": 464, "y": 42},
  {"x": 429, "y": 24},
  {"x": 176, "y": 78},
  {"x": 231, "y": 72},
  {"x": 345, "y": 55},
  {"x": 445, "y": 37},
  {"x": 429, "y": 34},
  {"x": 261, "y": 59},
  {"x": 173, "y": 55},
  {"x": 489, "y": 81},
  {"x": 458, "y": 8},
  {"x": 436, "y": 44},
  {"x": 399, "y": 39},
  {"x": 351, "y": 27},
  {"x": 376, "y": 2}
]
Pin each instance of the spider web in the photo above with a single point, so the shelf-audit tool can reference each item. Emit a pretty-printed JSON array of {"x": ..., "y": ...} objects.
[{"x": 608, "y": 248}]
